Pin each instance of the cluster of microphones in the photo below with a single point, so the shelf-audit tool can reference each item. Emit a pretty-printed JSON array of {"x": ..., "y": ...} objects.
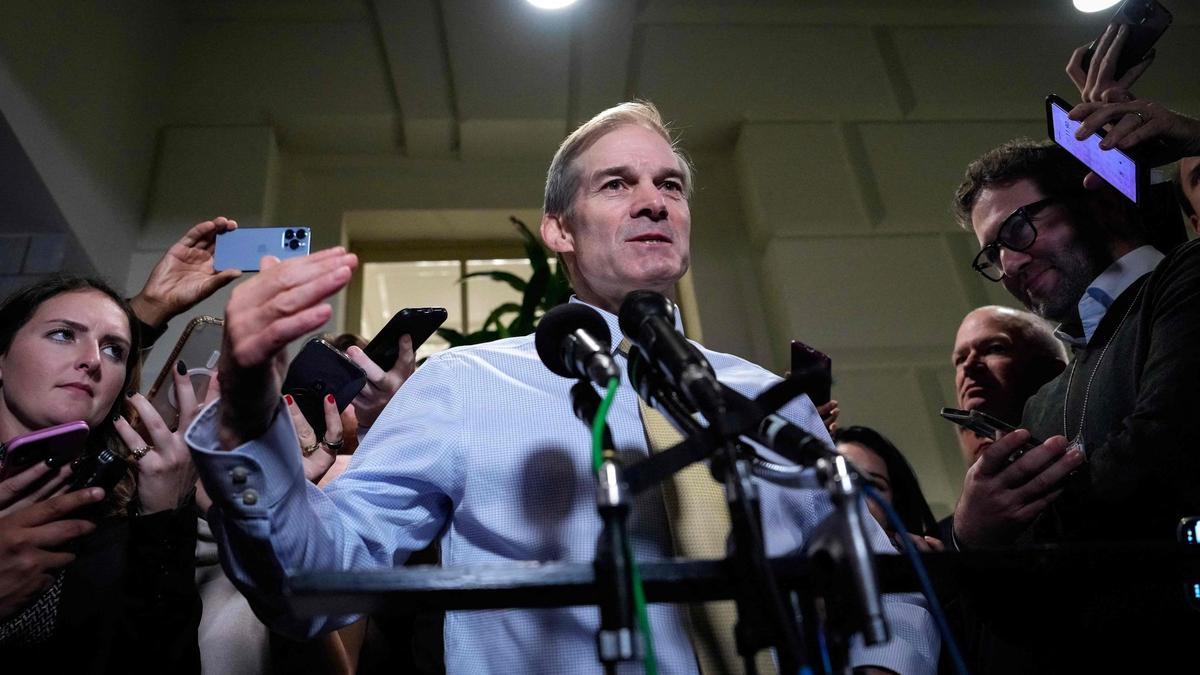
[{"x": 574, "y": 341}]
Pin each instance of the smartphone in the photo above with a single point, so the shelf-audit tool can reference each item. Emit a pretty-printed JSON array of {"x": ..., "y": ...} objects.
[
  {"x": 989, "y": 427},
  {"x": 1114, "y": 166},
  {"x": 241, "y": 249},
  {"x": 60, "y": 444},
  {"x": 417, "y": 322},
  {"x": 320, "y": 369},
  {"x": 199, "y": 348},
  {"x": 815, "y": 370},
  {"x": 1147, "y": 21}
]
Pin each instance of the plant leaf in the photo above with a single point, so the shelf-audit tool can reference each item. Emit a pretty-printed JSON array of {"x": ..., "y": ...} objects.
[
  {"x": 494, "y": 317},
  {"x": 558, "y": 291},
  {"x": 452, "y": 336},
  {"x": 523, "y": 324},
  {"x": 516, "y": 282},
  {"x": 481, "y": 336},
  {"x": 534, "y": 250}
]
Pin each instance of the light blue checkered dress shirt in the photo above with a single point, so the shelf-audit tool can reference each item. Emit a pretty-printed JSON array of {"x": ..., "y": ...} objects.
[{"x": 481, "y": 449}]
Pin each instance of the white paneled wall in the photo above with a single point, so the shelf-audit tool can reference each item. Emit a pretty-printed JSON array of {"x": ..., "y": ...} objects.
[{"x": 828, "y": 137}]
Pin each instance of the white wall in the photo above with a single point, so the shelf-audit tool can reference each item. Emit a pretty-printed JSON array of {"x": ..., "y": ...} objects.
[{"x": 80, "y": 85}]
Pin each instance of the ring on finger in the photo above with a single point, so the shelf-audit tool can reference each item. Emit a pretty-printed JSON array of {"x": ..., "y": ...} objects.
[
  {"x": 1141, "y": 118},
  {"x": 309, "y": 449},
  {"x": 335, "y": 446},
  {"x": 139, "y": 453}
]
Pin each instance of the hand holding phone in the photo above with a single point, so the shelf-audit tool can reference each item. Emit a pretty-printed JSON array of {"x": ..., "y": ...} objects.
[
  {"x": 989, "y": 427},
  {"x": 318, "y": 370},
  {"x": 1125, "y": 44},
  {"x": 417, "y": 322},
  {"x": 999, "y": 498},
  {"x": 33, "y": 539},
  {"x": 199, "y": 349},
  {"x": 1115, "y": 166},
  {"x": 58, "y": 445}
]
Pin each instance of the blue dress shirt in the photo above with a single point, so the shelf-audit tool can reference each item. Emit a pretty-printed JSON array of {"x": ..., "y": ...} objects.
[
  {"x": 480, "y": 449},
  {"x": 1108, "y": 286}
]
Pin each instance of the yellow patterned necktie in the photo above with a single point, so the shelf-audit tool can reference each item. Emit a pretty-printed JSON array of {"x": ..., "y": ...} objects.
[{"x": 698, "y": 519}]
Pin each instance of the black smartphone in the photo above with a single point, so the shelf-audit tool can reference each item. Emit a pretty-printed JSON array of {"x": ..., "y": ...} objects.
[
  {"x": 989, "y": 427},
  {"x": 1115, "y": 166},
  {"x": 815, "y": 370},
  {"x": 317, "y": 371},
  {"x": 1147, "y": 21},
  {"x": 417, "y": 322},
  {"x": 58, "y": 445}
]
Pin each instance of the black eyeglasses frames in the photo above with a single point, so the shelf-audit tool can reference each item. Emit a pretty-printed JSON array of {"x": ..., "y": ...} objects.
[{"x": 1017, "y": 233}]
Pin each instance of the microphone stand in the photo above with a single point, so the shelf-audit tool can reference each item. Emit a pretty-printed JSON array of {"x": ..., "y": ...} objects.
[
  {"x": 617, "y": 639},
  {"x": 764, "y": 620},
  {"x": 853, "y": 602},
  {"x": 851, "y": 593},
  {"x": 844, "y": 567}
]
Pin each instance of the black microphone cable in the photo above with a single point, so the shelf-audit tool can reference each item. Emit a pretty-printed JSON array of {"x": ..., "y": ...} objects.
[{"x": 935, "y": 606}]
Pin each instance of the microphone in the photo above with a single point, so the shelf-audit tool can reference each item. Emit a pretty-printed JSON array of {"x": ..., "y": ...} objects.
[
  {"x": 654, "y": 389},
  {"x": 771, "y": 430},
  {"x": 573, "y": 341},
  {"x": 648, "y": 320}
]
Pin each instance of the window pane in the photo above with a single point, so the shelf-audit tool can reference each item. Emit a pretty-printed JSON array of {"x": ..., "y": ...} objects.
[
  {"x": 484, "y": 294},
  {"x": 390, "y": 287}
]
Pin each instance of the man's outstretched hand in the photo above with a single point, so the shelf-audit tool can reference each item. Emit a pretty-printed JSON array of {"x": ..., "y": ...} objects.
[{"x": 285, "y": 301}]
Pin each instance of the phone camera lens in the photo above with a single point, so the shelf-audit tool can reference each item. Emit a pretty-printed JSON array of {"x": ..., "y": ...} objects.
[
  {"x": 319, "y": 385},
  {"x": 300, "y": 234},
  {"x": 293, "y": 244},
  {"x": 289, "y": 234}
]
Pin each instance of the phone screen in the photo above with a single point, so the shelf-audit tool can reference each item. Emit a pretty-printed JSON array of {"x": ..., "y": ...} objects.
[{"x": 1114, "y": 166}]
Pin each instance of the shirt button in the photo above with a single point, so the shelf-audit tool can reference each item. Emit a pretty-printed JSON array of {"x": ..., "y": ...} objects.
[
  {"x": 249, "y": 497},
  {"x": 239, "y": 475}
]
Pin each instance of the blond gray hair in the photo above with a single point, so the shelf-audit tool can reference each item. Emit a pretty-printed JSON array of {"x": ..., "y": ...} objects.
[{"x": 562, "y": 180}]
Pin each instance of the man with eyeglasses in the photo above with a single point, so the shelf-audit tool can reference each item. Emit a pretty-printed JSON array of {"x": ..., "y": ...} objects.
[
  {"x": 1077, "y": 256},
  {"x": 1120, "y": 457}
]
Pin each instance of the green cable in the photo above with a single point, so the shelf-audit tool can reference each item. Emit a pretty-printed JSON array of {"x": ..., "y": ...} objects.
[
  {"x": 639, "y": 594},
  {"x": 598, "y": 425},
  {"x": 643, "y": 618}
]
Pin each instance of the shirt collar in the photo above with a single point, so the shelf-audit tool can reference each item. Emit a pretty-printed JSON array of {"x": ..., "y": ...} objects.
[
  {"x": 1109, "y": 286},
  {"x": 614, "y": 327}
]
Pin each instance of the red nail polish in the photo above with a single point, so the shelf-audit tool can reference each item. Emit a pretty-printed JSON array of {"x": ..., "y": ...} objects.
[
  {"x": 288, "y": 398},
  {"x": 329, "y": 397}
]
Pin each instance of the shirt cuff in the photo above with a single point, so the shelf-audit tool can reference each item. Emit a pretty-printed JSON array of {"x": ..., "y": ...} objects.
[{"x": 237, "y": 479}]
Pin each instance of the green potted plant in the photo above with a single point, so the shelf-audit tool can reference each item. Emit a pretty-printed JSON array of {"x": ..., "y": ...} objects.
[{"x": 545, "y": 289}]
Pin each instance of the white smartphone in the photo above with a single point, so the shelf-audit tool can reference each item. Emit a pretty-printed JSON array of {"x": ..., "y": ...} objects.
[{"x": 1114, "y": 166}]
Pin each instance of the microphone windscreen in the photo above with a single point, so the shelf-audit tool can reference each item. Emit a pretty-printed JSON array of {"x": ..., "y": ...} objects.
[
  {"x": 559, "y": 323},
  {"x": 641, "y": 305}
]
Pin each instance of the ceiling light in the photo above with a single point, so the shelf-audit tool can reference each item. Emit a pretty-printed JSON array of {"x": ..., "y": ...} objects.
[
  {"x": 1085, "y": 5},
  {"x": 551, "y": 4}
]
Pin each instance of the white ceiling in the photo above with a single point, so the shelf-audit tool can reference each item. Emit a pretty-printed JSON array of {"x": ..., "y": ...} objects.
[{"x": 481, "y": 79}]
